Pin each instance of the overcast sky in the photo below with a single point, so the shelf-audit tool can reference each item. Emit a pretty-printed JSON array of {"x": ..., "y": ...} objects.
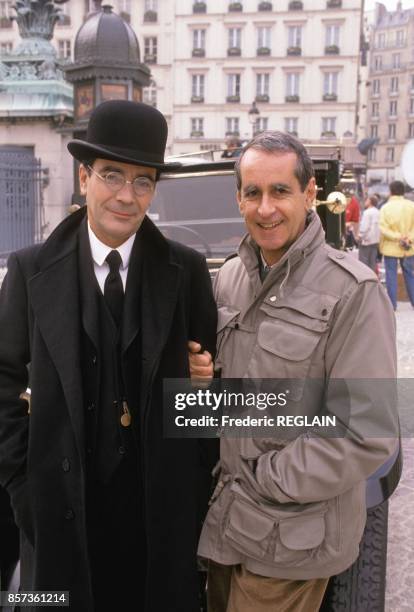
[{"x": 390, "y": 4}]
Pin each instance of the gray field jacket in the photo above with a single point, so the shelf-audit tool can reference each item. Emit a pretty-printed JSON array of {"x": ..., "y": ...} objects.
[{"x": 295, "y": 508}]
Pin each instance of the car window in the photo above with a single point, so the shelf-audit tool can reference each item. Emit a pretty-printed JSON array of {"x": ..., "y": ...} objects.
[{"x": 199, "y": 211}]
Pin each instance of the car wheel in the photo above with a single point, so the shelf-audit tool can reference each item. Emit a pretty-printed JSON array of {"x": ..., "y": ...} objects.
[{"x": 361, "y": 588}]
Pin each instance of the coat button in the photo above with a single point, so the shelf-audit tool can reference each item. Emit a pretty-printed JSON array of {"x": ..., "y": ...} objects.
[
  {"x": 121, "y": 450},
  {"x": 324, "y": 312},
  {"x": 272, "y": 298},
  {"x": 66, "y": 465},
  {"x": 91, "y": 407},
  {"x": 94, "y": 360},
  {"x": 339, "y": 255},
  {"x": 69, "y": 514}
]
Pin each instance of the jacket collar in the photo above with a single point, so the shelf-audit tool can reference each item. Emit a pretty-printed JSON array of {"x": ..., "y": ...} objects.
[{"x": 310, "y": 239}]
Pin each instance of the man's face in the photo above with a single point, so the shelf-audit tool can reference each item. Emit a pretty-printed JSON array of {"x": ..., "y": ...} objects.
[
  {"x": 271, "y": 201},
  {"x": 114, "y": 216}
]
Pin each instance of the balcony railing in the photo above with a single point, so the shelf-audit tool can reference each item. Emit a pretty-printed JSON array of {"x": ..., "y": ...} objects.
[
  {"x": 233, "y": 51},
  {"x": 295, "y": 5},
  {"x": 328, "y": 134},
  {"x": 150, "y": 58},
  {"x": 331, "y": 50},
  {"x": 333, "y": 3},
  {"x": 64, "y": 20},
  {"x": 292, "y": 98},
  {"x": 233, "y": 99},
  {"x": 294, "y": 51},
  {"x": 265, "y": 6},
  {"x": 197, "y": 99},
  {"x": 198, "y": 52},
  {"x": 263, "y": 51},
  {"x": 234, "y": 133},
  {"x": 5, "y": 22},
  {"x": 235, "y": 7},
  {"x": 197, "y": 134},
  {"x": 262, "y": 98},
  {"x": 199, "y": 7},
  {"x": 330, "y": 97},
  {"x": 150, "y": 16}
]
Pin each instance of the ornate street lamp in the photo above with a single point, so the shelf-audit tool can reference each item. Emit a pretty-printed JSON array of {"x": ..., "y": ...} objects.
[{"x": 253, "y": 117}]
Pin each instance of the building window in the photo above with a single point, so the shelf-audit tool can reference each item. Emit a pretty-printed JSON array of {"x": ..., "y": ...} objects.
[
  {"x": 235, "y": 38},
  {"x": 262, "y": 124},
  {"x": 233, "y": 87},
  {"x": 263, "y": 38},
  {"x": 150, "y": 49},
  {"x": 375, "y": 109},
  {"x": 372, "y": 154},
  {"x": 5, "y": 13},
  {"x": 151, "y": 10},
  {"x": 330, "y": 85},
  {"x": 294, "y": 36},
  {"x": 378, "y": 62},
  {"x": 391, "y": 131},
  {"x": 197, "y": 88},
  {"x": 292, "y": 84},
  {"x": 199, "y": 40},
  {"x": 374, "y": 131},
  {"x": 376, "y": 87},
  {"x": 262, "y": 86},
  {"x": 124, "y": 6},
  {"x": 149, "y": 94},
  {"x": 411, "y": 106},
  {"x": 381, "y": 41},
  {"x": 393, "y": 108},
  {"x": 197, "y": 127},
  {"x": 329, "y": 127},
  {"x": 64, "y": 49},
  {"x": 396, "y": 60},
  {"x": 232, "y": 126},
  {"x": 6, "y": 47},
  {"x": 332, "y": 35},
  {"x": 411, "y": 130},
  {"x": 389, "y": 154},
  {"x": 291, "y": 125},
  {"x": 394, "y": 85},
  {"x": 400, "y": 38}
]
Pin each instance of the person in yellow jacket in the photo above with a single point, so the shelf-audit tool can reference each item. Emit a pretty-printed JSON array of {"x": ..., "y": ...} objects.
[{"x": 397, "y": 241}]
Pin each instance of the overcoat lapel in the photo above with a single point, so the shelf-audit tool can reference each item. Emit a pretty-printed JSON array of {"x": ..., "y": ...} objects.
[
  {"x": 55, "y": 299},
  {"x": 132, "y": 304},
  {"x": 89, "y": 288},
  {"x": 161, "y": 279}
]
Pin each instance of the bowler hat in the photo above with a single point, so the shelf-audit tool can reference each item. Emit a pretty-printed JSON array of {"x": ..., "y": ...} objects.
[{"x": 120, "y": 130}]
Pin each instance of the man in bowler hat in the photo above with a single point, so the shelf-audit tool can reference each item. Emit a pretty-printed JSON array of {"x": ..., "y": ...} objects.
[{"x": 103, "y": 311}]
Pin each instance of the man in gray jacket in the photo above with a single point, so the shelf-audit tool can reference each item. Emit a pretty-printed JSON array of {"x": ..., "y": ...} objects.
[{"x": 287, "y": 514}]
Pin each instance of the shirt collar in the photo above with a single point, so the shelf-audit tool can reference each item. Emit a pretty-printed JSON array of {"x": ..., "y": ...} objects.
[{"x": 100, "y": 250}]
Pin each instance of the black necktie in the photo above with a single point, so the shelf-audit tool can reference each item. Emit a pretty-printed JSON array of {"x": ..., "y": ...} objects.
[{"x": 113, "y": 288}]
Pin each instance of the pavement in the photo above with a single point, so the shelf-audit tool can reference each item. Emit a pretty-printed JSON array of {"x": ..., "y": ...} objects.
[{"x": 400, "y": 556}]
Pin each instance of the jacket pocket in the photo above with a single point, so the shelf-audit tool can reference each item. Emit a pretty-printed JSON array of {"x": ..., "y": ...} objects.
[{"x": 268, "y": 533}]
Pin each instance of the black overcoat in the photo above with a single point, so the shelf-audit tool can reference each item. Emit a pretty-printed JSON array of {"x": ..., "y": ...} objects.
[{"x": 42, "y": 454}]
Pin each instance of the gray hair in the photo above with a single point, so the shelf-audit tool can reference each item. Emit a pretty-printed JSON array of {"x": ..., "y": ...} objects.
[{"x": 280, "y": 142}]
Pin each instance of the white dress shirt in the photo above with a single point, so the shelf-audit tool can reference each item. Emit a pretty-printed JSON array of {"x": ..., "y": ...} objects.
[{"x": 100, "y": 251}]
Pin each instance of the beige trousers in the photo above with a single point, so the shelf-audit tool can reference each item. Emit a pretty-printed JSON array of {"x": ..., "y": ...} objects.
[{"x": 232, "y": 588}]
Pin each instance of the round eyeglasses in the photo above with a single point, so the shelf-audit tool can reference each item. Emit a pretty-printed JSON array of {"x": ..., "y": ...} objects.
[{"x": 115, "y": 181}]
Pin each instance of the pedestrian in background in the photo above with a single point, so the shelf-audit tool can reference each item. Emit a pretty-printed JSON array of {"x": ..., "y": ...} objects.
[
  {"x": 397, "y": 241},
  {"x": 369, "y": 233},
  {"x": 352, "y": 216}
]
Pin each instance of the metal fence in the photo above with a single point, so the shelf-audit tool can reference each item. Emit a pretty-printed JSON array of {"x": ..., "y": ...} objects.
[{"x": 21, "y": 200}]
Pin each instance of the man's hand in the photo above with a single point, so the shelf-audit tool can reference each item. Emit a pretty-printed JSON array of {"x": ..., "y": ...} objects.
[{"x": 201, "y": 364}]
